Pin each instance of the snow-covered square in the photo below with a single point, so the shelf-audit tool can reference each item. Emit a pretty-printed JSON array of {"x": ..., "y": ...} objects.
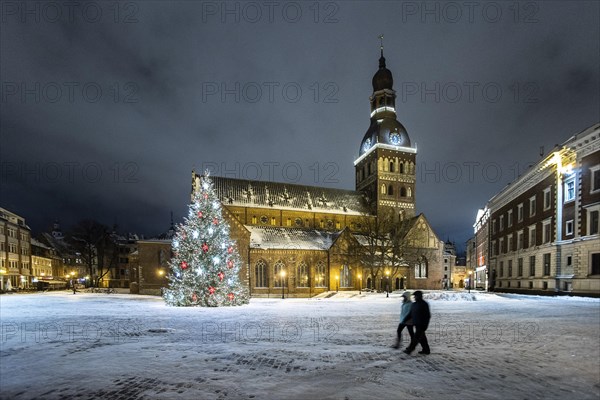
[{"x": 121, "y": 346}]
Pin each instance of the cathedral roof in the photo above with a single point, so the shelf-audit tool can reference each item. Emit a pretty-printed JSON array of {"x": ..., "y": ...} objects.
[
  {"x": 270, "y": 237},
  {"x": 278, "y": 195}
]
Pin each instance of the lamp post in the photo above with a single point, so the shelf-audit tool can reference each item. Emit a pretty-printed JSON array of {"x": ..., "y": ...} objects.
[
  {"x": 360, "y": 287},
  {"x": 470, "y": 280},
  {"x": 282, "y": 273},
  {"x": 387, "y": 283},
  {"x": 73, "y": 281}
]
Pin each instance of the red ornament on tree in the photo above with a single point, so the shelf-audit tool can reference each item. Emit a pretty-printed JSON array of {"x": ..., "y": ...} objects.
[
  {"x": 230, "y": 264},
  {"x": 221, "y": 275},
  {"x": 231, "y": 296},
  {"x": 194, "y": 297},
  {"x": 200, "y": 214},
  {"x": 205, "y": 196},
  {"x": 184, "y": 265},
  {"x": 205, "y": 248},
  {"x": 230, "y": 250},
  {"x": 211, "y": 290},
  {"x": 215, "y": 221}
]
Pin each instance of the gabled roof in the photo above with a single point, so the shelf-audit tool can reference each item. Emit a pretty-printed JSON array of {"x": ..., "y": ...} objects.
[
  {"x": 282, "y": 238},
  {"x": 277, "y": 195}
]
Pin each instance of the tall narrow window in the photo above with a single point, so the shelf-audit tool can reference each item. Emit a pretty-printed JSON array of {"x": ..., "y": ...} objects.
[
  {"x": 546, "y": 264},
  {"x": 569, "y": 189},
  {"x": 531, "y": 265},
  {"x": 594, "y": 222},
  {"x": 302, "y": 275},
  {"x": 520, "y": 267},
  {"x": 520, "y": 212},
  {"x": 547, "y": 198},
  {"x": 595, "y": 179},
  {"x": 278, "y": 280},
  {"x": 320, "y": 276},
  {"x": 532, "y": 206},
  {"x": 532, "y": 236},
  {"x": 547, "y": 232},
  {"x": 260, "y": 273}
]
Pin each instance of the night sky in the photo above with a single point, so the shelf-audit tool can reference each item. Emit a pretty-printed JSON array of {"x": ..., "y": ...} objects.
[{"x": 108, "y": 107}]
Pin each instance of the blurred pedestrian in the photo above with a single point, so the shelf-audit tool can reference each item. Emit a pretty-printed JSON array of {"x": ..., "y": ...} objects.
[
  {"x": 404, "y": 312},
  {"x": 420, "y": 315}
]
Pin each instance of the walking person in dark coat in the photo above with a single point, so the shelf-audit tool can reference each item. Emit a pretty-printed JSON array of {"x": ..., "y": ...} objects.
[
  {"x": 420, "y": 315},
  {"x": 404, "y": 312}
]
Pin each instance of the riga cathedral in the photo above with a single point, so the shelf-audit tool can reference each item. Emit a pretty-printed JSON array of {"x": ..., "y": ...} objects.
[{"x": 306, "y": 240}]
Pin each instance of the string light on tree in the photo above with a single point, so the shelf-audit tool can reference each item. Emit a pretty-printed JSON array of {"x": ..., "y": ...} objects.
[{"x": 198, "y": 276}]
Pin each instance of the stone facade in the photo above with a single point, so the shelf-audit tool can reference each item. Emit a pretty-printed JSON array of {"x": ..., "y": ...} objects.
[{"x": 544, "y": 230}]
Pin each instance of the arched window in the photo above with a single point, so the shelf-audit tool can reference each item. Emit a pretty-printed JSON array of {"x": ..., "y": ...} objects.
[
  {"x": 345, "y": 276},
  {"x": 403, "y": 192},
  {"x": 302, "y": 275},
  {"x": 260, "y": 274},
  {"x": 320, "y": 276},
  {"x": 383, "y": 189},
  {"x": 401, "y": 168},
  {"x": 421, "y": 268},
  {"x": 409, "y": 192},
  {"x": 390, "y": 190},
  {"x": 392, "y": 166},
  {"x": 278, "y": 281}
]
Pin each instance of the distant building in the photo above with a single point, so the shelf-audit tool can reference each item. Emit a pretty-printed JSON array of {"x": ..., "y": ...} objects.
[
  {"x": 15, "y": 251},
  {"x": 67, "y": 262},
  {"x": 544, "y": 227},
  {"x": 41, "y": 260}
]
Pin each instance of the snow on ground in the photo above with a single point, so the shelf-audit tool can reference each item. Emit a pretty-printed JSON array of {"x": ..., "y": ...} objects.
[{"x": 120, "y": 346}]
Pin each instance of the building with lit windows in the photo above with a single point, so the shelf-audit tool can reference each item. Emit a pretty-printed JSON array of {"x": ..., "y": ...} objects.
[
  {"x": 15, "y": 251},
  {"x": 544, "y": 227},
  {"x": 304, "y": 240}
]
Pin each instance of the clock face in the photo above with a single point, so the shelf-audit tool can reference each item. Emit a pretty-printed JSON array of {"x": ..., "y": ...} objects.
[
  {"x": 367, "y": 144},
  {"x": 264, "y": 219},
  {"x": 395, "y": 138}
]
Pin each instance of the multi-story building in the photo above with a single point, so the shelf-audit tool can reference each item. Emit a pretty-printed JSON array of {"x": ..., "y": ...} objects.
[
  {"x": 544, "y": 227},
  {"x": 479, "y": 246},
  {"x": 41, "y": 260},
  {"x": 67, "y": 262},
  {"x": 15, "y": 251}
]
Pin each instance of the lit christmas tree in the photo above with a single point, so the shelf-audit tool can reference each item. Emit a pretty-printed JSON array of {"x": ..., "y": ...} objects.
[{"x": 204, "y": 270}]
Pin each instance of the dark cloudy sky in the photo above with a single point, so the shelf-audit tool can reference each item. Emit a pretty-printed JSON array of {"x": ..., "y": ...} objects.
[{"x": 106, "y": 108}]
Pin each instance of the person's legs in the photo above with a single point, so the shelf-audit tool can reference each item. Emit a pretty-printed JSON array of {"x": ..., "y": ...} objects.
[
  {"x": 424, "y": 344},
  {"x": 414, "y": 340},
  {"x": 411, "y": 331}
]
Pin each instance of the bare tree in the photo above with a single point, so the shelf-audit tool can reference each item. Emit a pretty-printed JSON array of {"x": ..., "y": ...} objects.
[{"x": 98, "y": 248}]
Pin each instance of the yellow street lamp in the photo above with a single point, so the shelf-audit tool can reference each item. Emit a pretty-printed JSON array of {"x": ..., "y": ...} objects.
[
  {"x": 387, "y": 283},
  {"x": 470, "y": 281},
  {"x": 282, "y": 273},
  {"x": 360, "y": 287}
]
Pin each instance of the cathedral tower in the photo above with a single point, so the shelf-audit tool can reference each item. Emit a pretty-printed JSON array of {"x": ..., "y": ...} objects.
[{"x": 386, "y": 166}]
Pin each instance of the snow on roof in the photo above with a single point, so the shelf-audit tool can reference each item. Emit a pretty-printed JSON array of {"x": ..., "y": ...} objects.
[
  {"x": 290, "y": 238},
  {"x": 248, "y": 193}
]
